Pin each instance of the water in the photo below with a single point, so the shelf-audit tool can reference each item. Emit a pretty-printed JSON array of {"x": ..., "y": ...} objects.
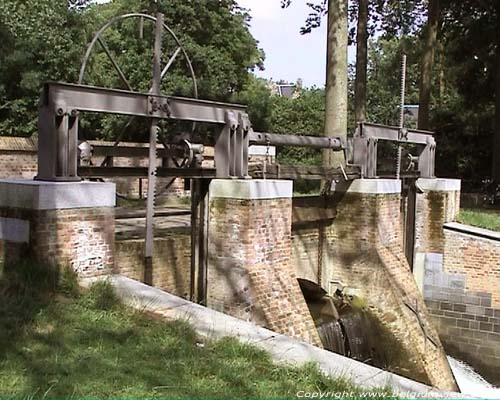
[{"x": 470, "y": 382}]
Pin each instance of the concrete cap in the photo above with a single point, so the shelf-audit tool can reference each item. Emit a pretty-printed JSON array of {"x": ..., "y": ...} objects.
[
  {"x": 472, "y": 231},
  {"x": 370, "y": 186},
  {"x": 251, "y": 189},
  {"x": 42, "y": 195},
  {"x": 439, "y": 184}
]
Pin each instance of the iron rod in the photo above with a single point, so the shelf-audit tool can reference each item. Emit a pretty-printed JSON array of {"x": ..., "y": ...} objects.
[{"x": 275, "y": 139}]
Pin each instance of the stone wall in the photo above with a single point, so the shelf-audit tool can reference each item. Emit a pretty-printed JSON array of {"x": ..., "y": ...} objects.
[
  {"x": 462, "y": 292},
  {"x": 250, "y": 275},
  {"x": 171, "y": 262}
]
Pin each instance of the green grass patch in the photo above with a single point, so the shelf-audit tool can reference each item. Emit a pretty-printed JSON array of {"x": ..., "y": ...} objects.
[
  {"x": 482, "y": 218},
  {"x": 58, "y": 343}
]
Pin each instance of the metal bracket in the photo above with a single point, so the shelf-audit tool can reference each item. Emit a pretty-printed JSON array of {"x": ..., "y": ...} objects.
[{"x": 159, "y": 107}]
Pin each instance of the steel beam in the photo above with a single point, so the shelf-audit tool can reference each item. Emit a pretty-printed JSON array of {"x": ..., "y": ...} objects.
[
  {"x": 64, "y": 97},
  {"x": 394, "y": 134},
  {"x": 142, "y": 172}
]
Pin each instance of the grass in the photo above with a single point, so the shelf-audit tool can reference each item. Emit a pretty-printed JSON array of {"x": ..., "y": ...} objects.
[
  {"x": 482, "y": 218},
  {"x": 58, "y": 343}
]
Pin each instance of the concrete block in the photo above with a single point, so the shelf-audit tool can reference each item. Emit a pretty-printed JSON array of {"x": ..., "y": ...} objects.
[
  {"x": 14, "y": 230},
  {"x": 439, "y": 184},
  {"x": 251, "y": 189},
  {"x": 41, "y": 195},
  {"x": 472, "y": 300},
  {"x": 459, "y": 307},
  {"x": 370, "y": 186},
  {"x": 485, "y": 326},
  {"x": 486, "y": 302},
  {"x": 473, "y": 309}
]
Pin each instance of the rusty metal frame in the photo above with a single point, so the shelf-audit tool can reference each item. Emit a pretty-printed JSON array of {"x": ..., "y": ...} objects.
[{"x": 366, "y": 139}]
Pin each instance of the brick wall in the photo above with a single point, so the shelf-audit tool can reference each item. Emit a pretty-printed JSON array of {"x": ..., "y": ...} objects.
[
  {"x": 462, "y": 292},
  {"x": 250, "y": 275},
  {"x": 171, "y": 261},
  {"x": 18, "y": 160},
  {"x": 81, "y": 238},
  {"x": 362, "y": 248},
  {"x": 434, "y": 208}
]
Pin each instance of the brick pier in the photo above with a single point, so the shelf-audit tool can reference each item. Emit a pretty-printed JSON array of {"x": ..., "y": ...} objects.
[
  {"x": 70, "y": 224},
  {"x": 250, "y": 275}
]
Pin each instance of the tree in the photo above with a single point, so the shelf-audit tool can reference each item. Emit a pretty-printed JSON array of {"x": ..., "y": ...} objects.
[
  {"x": 336, "y": 79},
  {"x": 427, "y": 63},
  {"x": 361, "y": 61},
  {"x": 45, "y": 40},
  {"x": 40, "y": 41},
  {"x": 496, "y": 133}
]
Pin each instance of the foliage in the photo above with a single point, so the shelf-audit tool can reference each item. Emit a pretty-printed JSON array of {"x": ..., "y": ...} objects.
[
  {"x": 303, "y": 114},
  {"x": 482, "y": 218},
  {"x": 67, "y": 347},
  {"x": 39, "y": 41},
  {"x": 46, "y": 40}
]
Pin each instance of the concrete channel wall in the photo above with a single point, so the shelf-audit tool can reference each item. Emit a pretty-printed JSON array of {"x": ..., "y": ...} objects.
[{"x": 462, "y": 293}]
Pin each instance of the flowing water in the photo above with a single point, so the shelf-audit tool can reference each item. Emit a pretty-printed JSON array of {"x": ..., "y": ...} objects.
[
  {"x": 470, "y": 382},
  {"x": 349, "y": 330}
]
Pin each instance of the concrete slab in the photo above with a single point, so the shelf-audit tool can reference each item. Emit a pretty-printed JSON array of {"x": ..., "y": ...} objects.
[
  {"x": 251, "y": 189},
  {"x": 439, "y": 184},
  {"x": 14, "y": 230},
  {"x": 41, "y": 195},
  {"x": 370, "y": 186},
  {"x": 472, "y": 230},
  {"x": 282, "y": 348}
]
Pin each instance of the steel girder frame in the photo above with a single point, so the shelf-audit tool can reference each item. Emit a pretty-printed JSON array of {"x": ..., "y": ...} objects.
[
  {"x": 61, "y": 103},
  {"x": 365, "y": 147}
]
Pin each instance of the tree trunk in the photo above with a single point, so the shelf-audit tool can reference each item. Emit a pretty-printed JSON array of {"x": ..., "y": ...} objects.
[
  {"x": 426, "y": 66},
  {"x": 496, "y": 134},
  {"x": 336, "y": 79},
  {"x": 361, "y": 62}
]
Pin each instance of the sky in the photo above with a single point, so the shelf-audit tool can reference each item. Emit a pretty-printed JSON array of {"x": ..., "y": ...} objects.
[{"x": 289, "y": 55}]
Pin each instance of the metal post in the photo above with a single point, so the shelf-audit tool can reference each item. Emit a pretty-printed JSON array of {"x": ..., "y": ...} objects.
[
  {"x": 153, "y": 135},
  {"x": 199, "y": 239},
  {"x": 401, "y": 114}
]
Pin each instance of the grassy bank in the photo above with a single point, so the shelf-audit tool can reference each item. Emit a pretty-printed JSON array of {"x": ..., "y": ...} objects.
[
  {"x": 482, "y": 218},
  {"x": 58, "y": 343}
]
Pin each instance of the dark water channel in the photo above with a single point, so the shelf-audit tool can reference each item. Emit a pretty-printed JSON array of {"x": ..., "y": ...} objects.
[{"x": 347, "y": 328}]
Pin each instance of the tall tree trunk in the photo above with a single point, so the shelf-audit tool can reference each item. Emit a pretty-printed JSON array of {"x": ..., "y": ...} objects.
[
  {"x": 496, "y": 141},
  {"x": 361, "y": 62},
  {"x": 336, "y": 79},
  {"x": 426, "y": 66}
]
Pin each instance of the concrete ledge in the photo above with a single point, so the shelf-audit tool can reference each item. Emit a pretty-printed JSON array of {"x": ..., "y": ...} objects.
[
  {"x": 251, "y": 189},
  {"x": 40, "y": 195},
  {"x": 282, "y": 348},
  {"x": 14, "y": 230},
  {"x": 370, "y": 186},
  {"x": 472, "y": 231},
  {"x": 439, "y": 184}
]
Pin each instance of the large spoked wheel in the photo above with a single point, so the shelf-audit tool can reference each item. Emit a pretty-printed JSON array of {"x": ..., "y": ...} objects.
[{"x": 98, "y": 38}]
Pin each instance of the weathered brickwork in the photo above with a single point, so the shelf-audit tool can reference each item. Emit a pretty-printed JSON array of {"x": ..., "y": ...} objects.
[
  {"x": 434, "y": 208},
  {"x": 80, "y": 238},
  {"x": 171, "y": 261},
  {"x": 250, "y": 275},
  {"x": 362, "y": 249},
  {"x": 462, "y": 292},
  {"x": 369, "y": 257},
  {"x": 18, "y": 160}
]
